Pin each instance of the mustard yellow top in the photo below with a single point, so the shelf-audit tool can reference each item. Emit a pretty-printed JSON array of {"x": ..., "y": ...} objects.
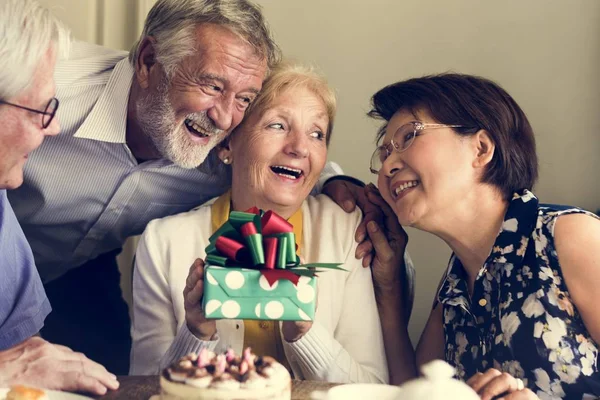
[{"x": 262, "y": 336}]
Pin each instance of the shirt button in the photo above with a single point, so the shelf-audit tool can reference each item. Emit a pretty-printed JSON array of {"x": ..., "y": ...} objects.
[
  {"x": 263, "y": 325},
  {"x": 482, "y": 302}
]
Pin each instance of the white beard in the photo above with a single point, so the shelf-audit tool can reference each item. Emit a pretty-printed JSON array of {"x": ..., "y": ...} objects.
[{"x": 157, "y": 120}]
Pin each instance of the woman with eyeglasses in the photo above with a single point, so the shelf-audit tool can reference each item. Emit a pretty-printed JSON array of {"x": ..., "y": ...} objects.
[{"x": 516, "y": 312}]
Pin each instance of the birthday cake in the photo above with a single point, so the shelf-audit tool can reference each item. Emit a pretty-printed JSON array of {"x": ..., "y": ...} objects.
[{"x": 211, "y": 376}]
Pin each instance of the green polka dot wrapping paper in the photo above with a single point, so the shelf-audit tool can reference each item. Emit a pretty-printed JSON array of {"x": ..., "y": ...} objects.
[
  {"x": 241, "y": 293},
  {"x": 253, "y": 271}
]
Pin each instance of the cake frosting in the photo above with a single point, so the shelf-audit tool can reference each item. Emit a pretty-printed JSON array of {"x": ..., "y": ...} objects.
[{"x": 207, "y": 375}]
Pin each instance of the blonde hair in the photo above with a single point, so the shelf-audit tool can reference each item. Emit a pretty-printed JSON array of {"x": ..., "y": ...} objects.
[
  {"x": 27, "y": 30},
  {"x": 290, "y": 75},
  {"x": 172, "y": 24}
]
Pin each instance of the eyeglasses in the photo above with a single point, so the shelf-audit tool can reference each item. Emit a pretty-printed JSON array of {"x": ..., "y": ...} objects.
[
  {"x": 47, "y": 115},
  {"x": 402, "y": 139}
]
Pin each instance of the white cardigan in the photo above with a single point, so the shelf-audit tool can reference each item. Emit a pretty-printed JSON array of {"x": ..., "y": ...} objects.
[{"x": 345, "y": 343}]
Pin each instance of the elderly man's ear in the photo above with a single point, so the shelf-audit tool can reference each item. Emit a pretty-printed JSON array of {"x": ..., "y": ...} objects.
[
  {"x": 224, "y": 151},
  {"x": 145, "y": 62}
]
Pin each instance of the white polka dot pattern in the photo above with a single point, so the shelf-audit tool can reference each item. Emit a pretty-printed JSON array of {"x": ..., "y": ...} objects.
[
  {"x": 211, "y": 279},
  {"x": 305, "y": 293},
  {"x": 234, "y": 280},
  {"x": 212, "y": 306},
  {"x": 303, "y": 315},
  {"x": 246, "y": 294},
  {"x": 230, "y": 309},
  {"x": 303, "y": 280},
  {"x": 264, "y": 284},
  {"x": 274, "y": 309}
]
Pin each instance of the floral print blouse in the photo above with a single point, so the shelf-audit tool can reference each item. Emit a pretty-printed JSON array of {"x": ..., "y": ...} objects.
[{"x": 520, "y": 319}]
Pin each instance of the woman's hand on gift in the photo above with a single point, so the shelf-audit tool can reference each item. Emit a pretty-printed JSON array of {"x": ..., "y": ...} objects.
[
  {"x": 202, "y": 328},
  {"x": 294, "y": 330},
  {"x": 389, "y": 242},
  {"x": 493, "y": 384}
]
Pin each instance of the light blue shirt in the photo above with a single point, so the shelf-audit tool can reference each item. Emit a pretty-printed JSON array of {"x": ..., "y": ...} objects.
[
  {"x": 23, "y": 302},
  {"x": 84, "y": 191}
]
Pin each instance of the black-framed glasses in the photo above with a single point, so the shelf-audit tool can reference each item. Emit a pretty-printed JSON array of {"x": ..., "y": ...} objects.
[
  {"x": 47, "y": 115},
  {"x": 402, "y": 139}
]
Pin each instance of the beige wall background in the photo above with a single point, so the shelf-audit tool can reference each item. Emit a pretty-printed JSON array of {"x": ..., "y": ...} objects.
[{"x": 546, "y": 53}]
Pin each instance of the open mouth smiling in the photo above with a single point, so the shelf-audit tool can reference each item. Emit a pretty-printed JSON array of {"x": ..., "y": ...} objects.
[
  {"x": 195, "y": 129},
  {"x": 399, "y": 190},
  {"x": 287, "y": 172}
]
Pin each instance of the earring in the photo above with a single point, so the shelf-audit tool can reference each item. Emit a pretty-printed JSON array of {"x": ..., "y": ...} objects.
[{"x": 227, "y": 160}]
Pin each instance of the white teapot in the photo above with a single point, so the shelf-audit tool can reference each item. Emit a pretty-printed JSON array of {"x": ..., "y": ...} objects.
[{"x": 437, "y": 383}]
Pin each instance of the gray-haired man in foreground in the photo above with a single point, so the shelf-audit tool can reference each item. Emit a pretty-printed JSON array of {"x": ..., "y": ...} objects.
[{"x": 29, "y": 42}]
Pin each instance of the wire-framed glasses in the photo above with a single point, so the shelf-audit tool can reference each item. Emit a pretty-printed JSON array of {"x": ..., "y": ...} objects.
[
  {"x": 47, "y": 114},
  {"x": 402, "y": 139}
]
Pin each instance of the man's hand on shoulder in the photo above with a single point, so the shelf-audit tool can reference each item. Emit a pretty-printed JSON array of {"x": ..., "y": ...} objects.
[
  {"x": 348, "y": 195},
  {"x": 49, "y": 366}
]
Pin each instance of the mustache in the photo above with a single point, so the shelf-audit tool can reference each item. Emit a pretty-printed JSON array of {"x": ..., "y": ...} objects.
[{"x": 204, "y": 122}]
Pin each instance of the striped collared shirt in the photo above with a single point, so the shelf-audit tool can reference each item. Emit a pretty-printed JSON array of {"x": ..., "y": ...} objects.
[{"x": 84, "y": 191}]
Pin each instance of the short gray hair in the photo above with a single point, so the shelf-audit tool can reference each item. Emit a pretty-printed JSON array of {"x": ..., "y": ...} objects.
[
  {"x": 172, "y": 24},
  {"x": 26, "y": 32}
]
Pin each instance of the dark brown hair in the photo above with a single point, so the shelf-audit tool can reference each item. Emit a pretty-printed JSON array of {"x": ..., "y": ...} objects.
[{"x": 475, "y": 103}]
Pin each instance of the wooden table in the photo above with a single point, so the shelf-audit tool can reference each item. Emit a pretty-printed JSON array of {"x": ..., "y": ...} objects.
[{"x": 142, "y": 387}]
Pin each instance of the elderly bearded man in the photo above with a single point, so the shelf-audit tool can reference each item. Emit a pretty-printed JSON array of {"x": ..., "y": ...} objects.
[
  {"x": 134, "y": 146},
  {"x": 29, "y": 43}
]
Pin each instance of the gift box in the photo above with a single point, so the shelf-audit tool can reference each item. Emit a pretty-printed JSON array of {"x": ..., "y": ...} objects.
[
  {"x": 253, "y": 272},
  {"x": 246, "y": 294}
]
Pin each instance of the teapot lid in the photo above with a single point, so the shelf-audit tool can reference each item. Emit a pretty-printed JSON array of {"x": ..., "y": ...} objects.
[{"x": 437, "y": 383}]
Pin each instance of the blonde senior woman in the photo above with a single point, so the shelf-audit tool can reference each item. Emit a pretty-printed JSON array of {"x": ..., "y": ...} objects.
[{"x": 276, "y": 155}]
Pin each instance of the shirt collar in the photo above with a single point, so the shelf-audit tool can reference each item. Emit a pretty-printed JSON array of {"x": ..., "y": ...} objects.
[
  {"x": 509, "y": 247},
  {"x": 108, "y": 119},
  {"x": 519, "y": 222},
  {"x": 453, "y": 290}
]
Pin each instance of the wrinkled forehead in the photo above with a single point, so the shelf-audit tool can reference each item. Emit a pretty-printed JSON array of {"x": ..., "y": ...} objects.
[
  {"x": 217, "y": 39},
  {"x": 281, "y": 95},
  {"x": 225, "y": 64}
]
